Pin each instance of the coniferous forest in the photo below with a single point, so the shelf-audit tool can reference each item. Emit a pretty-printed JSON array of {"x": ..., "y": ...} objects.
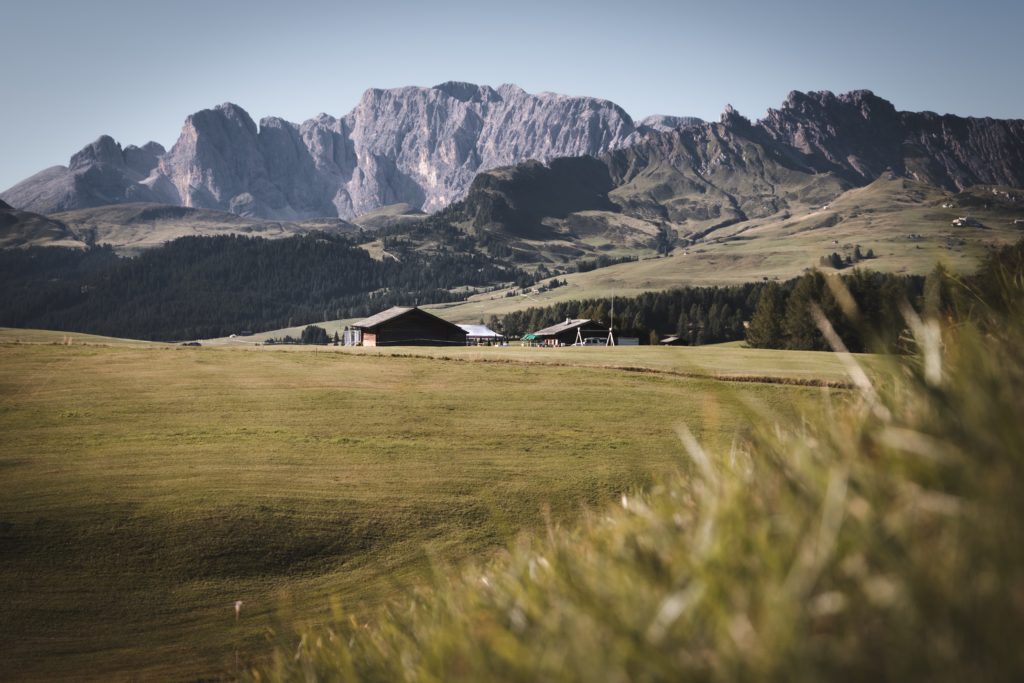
[
  {"x": 765, "y": 314},
  {"x": 200, "y": 287}
]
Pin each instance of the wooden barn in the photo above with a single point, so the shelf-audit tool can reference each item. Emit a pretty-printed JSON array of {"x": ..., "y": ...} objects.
[
  {"x": 403, "y": 326},
  {"x": 570, "y": 332}
]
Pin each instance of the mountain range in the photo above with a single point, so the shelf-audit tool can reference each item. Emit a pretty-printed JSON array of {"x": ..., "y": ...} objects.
[
  {"x": 420, "y": 146},
  {"x": 424, "y": 147},
  {"x": 524, "y": 187}
]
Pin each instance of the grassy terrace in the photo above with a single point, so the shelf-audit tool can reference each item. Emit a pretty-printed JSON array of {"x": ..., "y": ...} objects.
[{"x": 146, "y": 488}]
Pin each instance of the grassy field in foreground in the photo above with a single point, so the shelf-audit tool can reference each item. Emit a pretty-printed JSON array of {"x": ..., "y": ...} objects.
[
  {"x": 146, "y": 488},
  {"x": 731, "y": 361},
  {"x": 882, "y": 541}
]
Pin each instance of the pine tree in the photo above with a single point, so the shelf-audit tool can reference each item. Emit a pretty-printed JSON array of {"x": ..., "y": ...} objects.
[
  {"x": 682, "y": 325},
  {"x": 798, "y": 326},
  {"x": 765, "y": 331},
  {"x": 314, "y": 334}
]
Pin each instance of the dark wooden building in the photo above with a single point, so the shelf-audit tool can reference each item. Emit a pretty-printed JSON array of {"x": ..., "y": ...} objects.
[{"x": 402, "y": 326}]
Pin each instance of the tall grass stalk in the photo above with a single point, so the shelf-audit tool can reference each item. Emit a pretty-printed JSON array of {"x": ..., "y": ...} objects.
[{"x": 882, "y": 540}]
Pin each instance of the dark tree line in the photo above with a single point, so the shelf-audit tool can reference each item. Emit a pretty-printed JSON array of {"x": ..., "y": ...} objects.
[
  {"x": 866, "y": 309},
  {"x": 198, "y": 287},
  {"x": 699, "y": 315},
  {"x": 863, "y": 307},
  {"x": 766, "y": 314},
  {"x": 311, "y": 334}
]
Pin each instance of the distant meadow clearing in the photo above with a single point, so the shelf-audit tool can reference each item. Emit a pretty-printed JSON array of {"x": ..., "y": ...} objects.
[{"x": 147, "y": 489}]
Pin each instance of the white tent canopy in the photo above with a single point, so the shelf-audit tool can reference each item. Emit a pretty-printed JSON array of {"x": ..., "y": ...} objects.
[{"x": 480, "y": 332}]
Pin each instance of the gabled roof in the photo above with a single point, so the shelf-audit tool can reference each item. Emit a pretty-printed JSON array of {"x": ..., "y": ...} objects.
[
  {"x": 479, "y": 331},
  {"x": 397, "y": 312},
  {"x": 562, "y": 327},
  {"x": 383, "y": 317}
]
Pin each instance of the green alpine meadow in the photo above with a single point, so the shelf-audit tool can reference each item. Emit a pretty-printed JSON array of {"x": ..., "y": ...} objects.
[{"x": 534, "y": 342}]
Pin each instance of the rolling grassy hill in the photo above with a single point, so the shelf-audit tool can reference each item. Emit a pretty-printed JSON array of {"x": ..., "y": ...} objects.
[
  {"x": 907, "y": 225},
  {"x": 133, "y": 228},
  {"x": 146, "y": 488}
]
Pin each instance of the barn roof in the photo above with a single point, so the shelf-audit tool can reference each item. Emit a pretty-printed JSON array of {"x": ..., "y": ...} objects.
[
  {"x": 569, "y": 324},
  {"x": 394, "y": 312},
  {"x": 383, "y": 317}
]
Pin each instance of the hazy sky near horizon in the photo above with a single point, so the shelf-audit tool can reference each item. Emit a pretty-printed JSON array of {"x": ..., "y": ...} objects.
[{"x": 134, "y": 69}]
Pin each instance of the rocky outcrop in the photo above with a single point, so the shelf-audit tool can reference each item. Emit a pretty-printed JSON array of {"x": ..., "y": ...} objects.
[
  {"x": 515, "y": 200},
  {"x": 424, "y": 146},
  {"x": 804, "y": 154},
  {"x": 100, "y": 173},
  {"x": 859, "y": 135},
  {"x": 662, "y": 123}
]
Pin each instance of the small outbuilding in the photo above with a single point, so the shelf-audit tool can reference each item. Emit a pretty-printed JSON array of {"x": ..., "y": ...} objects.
[
  {"x": 405, "y": 326},
  {"x": 570, "y": 332}
]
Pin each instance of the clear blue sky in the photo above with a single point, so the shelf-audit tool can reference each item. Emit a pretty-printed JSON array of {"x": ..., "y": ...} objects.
[{"x": 72, "y": 70}]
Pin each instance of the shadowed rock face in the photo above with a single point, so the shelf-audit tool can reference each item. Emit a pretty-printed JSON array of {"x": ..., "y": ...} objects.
[
  {"x": 100, "y": 173},
  {"x": 424, "y": 147},
  {"x": 515, "y": 199},
  {"x": 859, "y": 135},
  {"x": 807, "y": 152}
]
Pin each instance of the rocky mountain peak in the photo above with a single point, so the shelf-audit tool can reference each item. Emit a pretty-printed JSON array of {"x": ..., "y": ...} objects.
[
  {"x": 821, "y": 104},
  {"x": 234, "y": 112},
  {"x": 223, "y": 116},
  {"x": 105, "y": 150},
  {"x": 663, "y": 123},
  {"x": 143, "y": 159},
  {"x": 510, "y": 90},
  {"x": 732, "y": 118},
  {"x": 468, "y": 92}
]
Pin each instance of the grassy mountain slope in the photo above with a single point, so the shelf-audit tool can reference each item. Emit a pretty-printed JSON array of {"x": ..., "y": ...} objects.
[
  {"x": 22, "y": 229},
  {"x": 908, "y": 226},
  {"x": 132, "y": 228}
]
